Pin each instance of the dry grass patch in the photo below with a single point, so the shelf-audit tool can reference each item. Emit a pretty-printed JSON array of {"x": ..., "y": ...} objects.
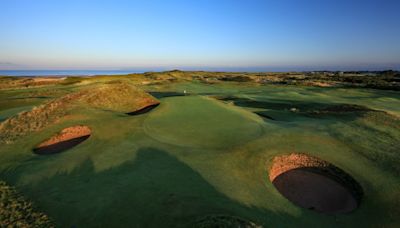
[
  {"x": 15, "y": 211},
  {"x": 118, "y": 97},
  {"x": 224, "y": 221}
]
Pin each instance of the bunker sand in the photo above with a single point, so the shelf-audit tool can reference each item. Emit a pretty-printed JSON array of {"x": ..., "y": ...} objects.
[
  {"x": 66, "y": 139},
  {"x": 312, "y": 183}
]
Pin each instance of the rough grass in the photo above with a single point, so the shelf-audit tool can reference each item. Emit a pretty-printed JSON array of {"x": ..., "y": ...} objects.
[
  {"x": 15, "y": 211},
  {"x": 224, "y": 221},
  {"x": 31, "y": 121},
  {"x": 374, "y": 135},
  {"x": 27, "y": 82},
  {"x": 118, "y": 97}
]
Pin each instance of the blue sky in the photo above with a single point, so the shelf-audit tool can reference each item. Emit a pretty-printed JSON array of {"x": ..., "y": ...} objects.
[{"x": 200, "y": 34}]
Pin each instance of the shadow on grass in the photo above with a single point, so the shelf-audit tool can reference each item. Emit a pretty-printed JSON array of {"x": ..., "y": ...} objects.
[
  {"x": 143, "y": 110},
  {"x": 291, "y": 110},
  {"x": 159, "y": 95},
  {"x": 60, "y": 146},
  {"x": 275, "y": 104},
  {"x": 157, "y": 190},
  {"x": 154, "y": 190}
]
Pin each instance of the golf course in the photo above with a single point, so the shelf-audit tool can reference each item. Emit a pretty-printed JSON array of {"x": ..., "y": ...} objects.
[{"x": 197, "y": 149}]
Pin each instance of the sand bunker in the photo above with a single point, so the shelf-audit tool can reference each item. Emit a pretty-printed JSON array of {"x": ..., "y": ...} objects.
[
  {"x": 312, "y": 183},
  {"x": 66, "y": 139},
  {"x": 143, "y": 110}
]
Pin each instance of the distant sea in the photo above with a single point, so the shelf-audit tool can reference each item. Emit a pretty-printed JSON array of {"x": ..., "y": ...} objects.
[{"x": 61, "y": 73}]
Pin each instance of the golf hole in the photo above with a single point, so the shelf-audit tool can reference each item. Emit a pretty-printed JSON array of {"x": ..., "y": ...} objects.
[
  {"x": 312, "y": 183},
  {"x": 64, "y": 140}
]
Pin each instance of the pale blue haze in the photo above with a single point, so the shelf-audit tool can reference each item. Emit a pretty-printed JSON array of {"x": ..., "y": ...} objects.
[{"x": 200, "y": 34}]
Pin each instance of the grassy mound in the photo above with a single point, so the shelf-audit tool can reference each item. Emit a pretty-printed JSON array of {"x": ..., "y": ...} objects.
[
  {"x": 34, "y": 120},
  {"x": 15, "y": 211},
  {"x": 203, "y": 123},
  {"x": 117, "y": 97}
]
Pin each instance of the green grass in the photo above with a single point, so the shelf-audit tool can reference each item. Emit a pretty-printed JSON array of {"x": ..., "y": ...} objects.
[
  {"x": 197, "y": 122},
  {"x": 195, "y": 156}
]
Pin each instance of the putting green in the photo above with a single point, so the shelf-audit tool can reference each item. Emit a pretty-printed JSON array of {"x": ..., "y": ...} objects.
[{"x": 200, "y": 122}]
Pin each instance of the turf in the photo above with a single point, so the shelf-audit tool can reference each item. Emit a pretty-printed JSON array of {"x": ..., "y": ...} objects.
[
  {"x": 202, "y": 123},
  {"x": 197, "y": 156}
]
